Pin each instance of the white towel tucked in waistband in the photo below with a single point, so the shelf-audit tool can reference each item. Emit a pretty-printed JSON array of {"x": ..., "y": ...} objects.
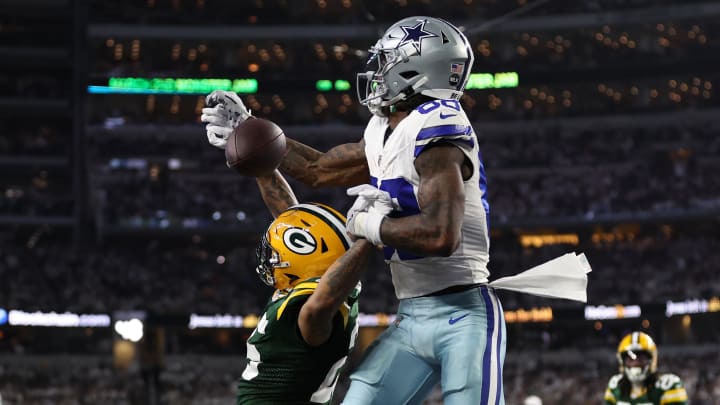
[{"x": 562, "y": 277}]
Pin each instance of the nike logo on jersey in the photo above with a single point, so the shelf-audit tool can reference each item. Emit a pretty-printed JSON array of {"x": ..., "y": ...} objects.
[
  {"x": 452, "y": 321},
  {"x": 443, "y": 116}
]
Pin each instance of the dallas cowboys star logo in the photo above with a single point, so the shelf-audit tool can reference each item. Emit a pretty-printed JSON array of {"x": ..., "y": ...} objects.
[{"x": 415, "y": 35}]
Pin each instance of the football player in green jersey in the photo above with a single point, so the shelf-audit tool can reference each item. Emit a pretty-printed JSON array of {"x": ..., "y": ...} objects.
[
  {"x": 301, "y": 342},
  {"x": 639, "y": 383}
]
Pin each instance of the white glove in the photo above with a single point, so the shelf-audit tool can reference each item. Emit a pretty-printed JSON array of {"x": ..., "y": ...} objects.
[
  {"x": 224, "y": 113},
  {"x": 367, "y": 213}
]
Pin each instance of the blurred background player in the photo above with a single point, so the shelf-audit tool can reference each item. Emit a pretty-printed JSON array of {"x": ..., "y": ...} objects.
[
  {"x": 296, "y": 352},
  {"x": 638, "y": 381},
  {"x": 421, "y": 156},
  {"x": 532, "y": 400},
  {"x": 598, "y": 123}
]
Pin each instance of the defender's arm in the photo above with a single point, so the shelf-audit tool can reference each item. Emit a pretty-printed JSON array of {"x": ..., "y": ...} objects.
[
  {"x": 276, "y": 192},
  {"x": 436, "y": 230},
  {"x": 343, "y": 165},
  {"x": 316, "y": 315}
]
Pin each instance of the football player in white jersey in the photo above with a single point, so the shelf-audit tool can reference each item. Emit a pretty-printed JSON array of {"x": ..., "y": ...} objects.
[{"x": 419, "y": 153}]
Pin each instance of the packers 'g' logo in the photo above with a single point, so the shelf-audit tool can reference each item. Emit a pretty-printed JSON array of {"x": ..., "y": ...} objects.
[{"x": 299, "y": 241}]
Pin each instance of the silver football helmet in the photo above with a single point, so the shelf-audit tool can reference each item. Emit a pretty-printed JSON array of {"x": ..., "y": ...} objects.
[{"x": 422, "y": 55}]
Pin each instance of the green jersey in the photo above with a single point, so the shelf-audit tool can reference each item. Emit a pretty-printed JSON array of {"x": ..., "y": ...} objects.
[
  {"x": 281, "y": 367},
  {"x": 666, "y": 390}
]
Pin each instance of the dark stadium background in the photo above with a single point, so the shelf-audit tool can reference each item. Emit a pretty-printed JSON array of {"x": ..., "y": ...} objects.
[{"x": 113, "y": 206}]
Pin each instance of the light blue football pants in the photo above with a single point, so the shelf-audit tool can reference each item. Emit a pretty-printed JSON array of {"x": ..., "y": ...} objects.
[{"x": 457, "y": 339}]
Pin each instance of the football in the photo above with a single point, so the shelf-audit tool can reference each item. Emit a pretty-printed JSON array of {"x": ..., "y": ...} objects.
[{"x": 256, "y": 147}]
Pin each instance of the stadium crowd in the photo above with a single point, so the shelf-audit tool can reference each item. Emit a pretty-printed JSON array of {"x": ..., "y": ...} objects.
[
  {"x": 274, "y": 12},
  {"x": 150, "y": 182},
  {"x": 581, "y": 192},
  {"x": 217, "y": 275},
  {"x": 549, "y": 172},
  {"x": 579, "y": 380},
  {"x": 527, "y": 51},
  {"x": 288, "y": 106}
]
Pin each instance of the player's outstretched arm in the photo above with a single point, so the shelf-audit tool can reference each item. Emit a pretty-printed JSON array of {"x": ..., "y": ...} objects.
[
  {"x": 316, "y": 315},
  {"x": 276, "y": 192},
  {"x": 436, "y": 230},
  {"x": 343, "y": 165}
]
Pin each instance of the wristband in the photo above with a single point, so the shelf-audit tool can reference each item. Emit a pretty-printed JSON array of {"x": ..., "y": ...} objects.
[{"x": 368, "y": 225}]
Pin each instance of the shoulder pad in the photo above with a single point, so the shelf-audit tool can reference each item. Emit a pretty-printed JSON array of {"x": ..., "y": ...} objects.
[
  {"x": 441, "y": 112},
  {"x": 667, "y": 381},
  {"x": 672, "y": 389},
  {"x": 442, "y": 121},
  {"x": 301, "y": 289},
  {"x": 614, "y": 381}
]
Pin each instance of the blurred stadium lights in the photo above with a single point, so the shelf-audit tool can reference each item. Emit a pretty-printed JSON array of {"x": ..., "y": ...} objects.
[
  {"x": 328, "y": 85},
  {"x": 129, "y": 325},
  {"x": 694, "y": 306},
  {"x": 216, "y": 321},
  {"x": 324, "y": 85},
  {"x": 196, "y": 86},
  {"x": 202, "y": 86},
  {"x": 66, "y": 319},
  {"x": 493, "y": 81},
  {"x": 603, "y": 312},
  {"x": 131, "y": 330}
]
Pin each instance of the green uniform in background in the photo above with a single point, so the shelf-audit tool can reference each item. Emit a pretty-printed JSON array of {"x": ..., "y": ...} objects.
[
  {"x": 667, "y": 389},
  {"x": 282, "y": 368}
]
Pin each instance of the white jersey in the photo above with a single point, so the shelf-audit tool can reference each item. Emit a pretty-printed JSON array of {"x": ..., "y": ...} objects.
[{"x": 392, "y": 169}]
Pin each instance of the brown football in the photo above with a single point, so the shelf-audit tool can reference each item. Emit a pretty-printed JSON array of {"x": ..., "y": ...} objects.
[{"x": 256, "y": 147}]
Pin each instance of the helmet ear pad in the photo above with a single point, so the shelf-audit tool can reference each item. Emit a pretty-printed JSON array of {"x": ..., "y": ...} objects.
[{"x": 306, "y": 239}]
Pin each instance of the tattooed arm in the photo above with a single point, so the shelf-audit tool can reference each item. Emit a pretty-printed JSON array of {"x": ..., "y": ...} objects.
[
  {"x": 435, "y": 231},
  {"x": 316, "y": 315},
  {"x": 276, "y": 192},
  {"x": 343, "y": 165}
]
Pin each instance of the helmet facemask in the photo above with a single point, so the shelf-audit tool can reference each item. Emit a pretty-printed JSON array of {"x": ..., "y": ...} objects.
[
  {"x": 637, "y": 357},
  {"x": 636, "y": 365},
  {"x": 374, "y": 84},
  {"x": 268, "y": 260}
]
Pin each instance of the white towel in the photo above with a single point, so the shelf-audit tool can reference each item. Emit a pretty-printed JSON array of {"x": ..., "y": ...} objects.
[{"x": 562, "y": 277}]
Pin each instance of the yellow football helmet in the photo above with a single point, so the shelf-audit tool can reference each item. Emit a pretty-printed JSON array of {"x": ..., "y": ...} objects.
[
  {"x": 301, "y": 243},
  {"x": 638, "y": 348}
]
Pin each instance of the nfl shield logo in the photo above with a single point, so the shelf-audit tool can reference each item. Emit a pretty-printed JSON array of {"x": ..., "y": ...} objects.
[{"x": 457, "y": 68}]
